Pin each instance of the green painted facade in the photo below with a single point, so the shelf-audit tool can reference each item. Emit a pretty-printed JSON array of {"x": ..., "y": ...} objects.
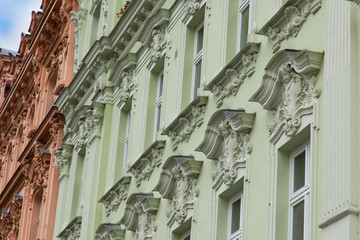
[{"x": 201, "y": 156}]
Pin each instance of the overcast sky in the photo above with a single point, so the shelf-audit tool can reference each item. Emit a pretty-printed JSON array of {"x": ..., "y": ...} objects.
[{"x": 15, "y": 17}]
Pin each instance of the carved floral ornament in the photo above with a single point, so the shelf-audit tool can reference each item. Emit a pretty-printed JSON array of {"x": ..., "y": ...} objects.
[
  {"x": 139, "y": 216},
  {"x": 110, "y": 231},
  {"x": 160, "y": 41},
  {"x": 183, "y": 126},
  {"x": 178, "y": 182},
  {"x": 228, "y": 81},
  {"x": 227, "y": 141},
  {"x": 10, "y": 218},
  {"x": 193, "y": 6},
  {"x": 72, "y": 230},
  {"x": 63, "y": 159},
  {"x": 289, "y": 20},
  {"x": 116, "y": 195},
  {"x": 289, "y": 88},
  {"x": 148, "y": 161}
]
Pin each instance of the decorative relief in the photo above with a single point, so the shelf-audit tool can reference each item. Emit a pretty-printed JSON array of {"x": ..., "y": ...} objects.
[
  {"x": 127, "y": 84},
  {"x": 139, "y": 216},
  {"x": 109, "y": 231},
  {"x": 148, "y": 161},
  {"x": 288, "y": 21},
  {"x": 227, "y": 141},
  {"x": 115, "y": 195},
  {"x": 72, "y": 230},
  {"x": 229, "y": 80},
  {"x": 161, "y": 39},
  {"x": 183, "y": 126},
  {"x": 178, "y": 182},
  {"x": 105, "y": 7},
  {"x": 63, "y": 159},
  {"x": 41, "y": 164},
  {"x": 289, "y": 88},
  {"x": 193, "y": 6},
  {"x": 10, "y": 219},
  {"x": 89, "y": 125},
  {"x": 77, "y": 18}
]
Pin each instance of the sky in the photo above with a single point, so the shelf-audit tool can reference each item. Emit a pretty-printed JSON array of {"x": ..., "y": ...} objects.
[{"x": 15, "y": 17}]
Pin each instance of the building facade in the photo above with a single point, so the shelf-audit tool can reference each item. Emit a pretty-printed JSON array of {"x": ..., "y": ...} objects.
[
  {"x": 206, "y": 119},
  {"x": 30, "y": 125}
]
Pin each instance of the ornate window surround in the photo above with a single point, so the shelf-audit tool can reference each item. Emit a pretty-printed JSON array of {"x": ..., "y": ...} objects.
[
  {"x": 110, "y": 231},
  {"x": 72, "y": 230}
]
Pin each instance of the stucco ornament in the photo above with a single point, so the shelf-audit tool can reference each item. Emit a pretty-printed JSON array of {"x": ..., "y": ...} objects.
[
  {"x": 160, "y": 40},
  {"x": 144, "y": 166},
  {"x": 228, "y": 81},
  {"x": 288, "y": 22},
  {"x": 192, "y": 6},
  {"x": 41, "y": 164},
  {"x": 10, "y": 218},
  {"x": 72, "y": 230},
  {"x": 89, "y": 125},
  {"x": 110, "y": 231},
  {"x": 116, "y": 195},
  {"x": 77, "y": 18},
  {"x": 178, "y": 182},
  {"x": 184, "y": 125},
  {"x": 227, "y": 140},
  {"x": 127, "y": 85},
  {"x": 289, "y": 88},
  {"x": 139, "y": 216},
  {"x": 63, "y": 159}
]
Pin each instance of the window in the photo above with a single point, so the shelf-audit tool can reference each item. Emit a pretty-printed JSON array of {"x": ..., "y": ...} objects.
[
  {"x": 299, "y": 190},
  {"x": 95, "y": 24},
  {"x": 243, "y": 26},
  {"x": 186, "y": 236},
  {"x": 158, "y": 103},
  {"x": 235, "y": 218},
  {"x": 127, "y": 137},
  {"x": 197, "y": 62}
]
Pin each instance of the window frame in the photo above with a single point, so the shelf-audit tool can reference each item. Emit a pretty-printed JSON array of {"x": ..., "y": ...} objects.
[
  {"x": 127, "y": 138},
  {"x": 185, "y": 235},
  {"x": 197, "y": 57},
  {"x": 303, "y": 193},
  {"x": 243, "y": 4},
  {"x": 158, "y": 103},
  {"x": 238, "y": 234}
]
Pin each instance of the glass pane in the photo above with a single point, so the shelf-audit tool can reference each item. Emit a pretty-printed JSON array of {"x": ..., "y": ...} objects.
[
  {"x": 299, "y": 171},
  {"x": 235, "y": 216},
  {"x": 158, "y": 112},
  {"x": 161, "y": 78},
  {"x": 298, "y": 221},
  {"x": 197, "y": 77},
  {"x": 244, "y": 27},
  {"x": 187, "y": 237},
  {"x": 200, "y": 36}
]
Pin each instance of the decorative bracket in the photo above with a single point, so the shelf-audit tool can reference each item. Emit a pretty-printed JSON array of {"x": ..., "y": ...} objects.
[
  {"x": 72, "y": 230},
  {"x": 109, "y": 231},
  {"x": 227, "y": 141}
]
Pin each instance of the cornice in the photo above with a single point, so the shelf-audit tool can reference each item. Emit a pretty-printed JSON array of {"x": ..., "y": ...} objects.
[
  {"x": 227, "y": 140},
  {"x": 72, "y": 230},
  {"x": 116, "y": 195},
  {"x": 289, "y": 88},
  {"x": 109, "y": 231},
  {"x": 229, "y": 80},
  {"x": 183, "y": 126},
  {"x": 178, "y": 182},
  {"x": 288, "y": 21},
  {"x": 147, "y": 162}
]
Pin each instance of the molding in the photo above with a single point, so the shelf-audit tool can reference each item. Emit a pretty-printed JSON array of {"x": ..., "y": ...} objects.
[
  {"x": 289, "y": 88},
  {"x": 178, "y": 182},
  {"x": 144, "y": 166},
  {"x": 288, "y": 21},
  {"x": 355, "y": 1},
  {"x": 109, "y": 231},
  {"x": 229, "y": 80},
  {"x": 339, "y": 214},
  {"x": 117, "y": 193},
  {"x": 227, "y": 140},
  {"x": 182, "y": 127},
  {"x": 72, "y": 230},
  {"x": 139, "y": 216},
  {"x": 63, "y": 159}
]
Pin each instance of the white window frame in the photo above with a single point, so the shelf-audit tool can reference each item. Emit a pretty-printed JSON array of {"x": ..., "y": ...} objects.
[
  {"x": 237, "y": 234},
  {"x": 127, "y": 137},
  {"x": 185, "y": 235},
  {"x": 302, "y": 194},
  {"x": 198, "y": 56},
  {"x": 158, "y": 103},
  {"x": 243, "y": 4}
]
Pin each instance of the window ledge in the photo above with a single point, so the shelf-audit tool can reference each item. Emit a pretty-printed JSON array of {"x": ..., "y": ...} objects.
[
  {"x": 288, "y": 20},
  {"x": 182, "y": 127},
  {"x": 72, "y": 229}
]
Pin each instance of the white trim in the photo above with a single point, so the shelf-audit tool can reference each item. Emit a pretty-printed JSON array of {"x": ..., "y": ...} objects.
[
  {"x": 238, "y": 234},
  {"x": 243, "y": 4},
  {"x": 198, "y": 56},
  {"x": 302, "y": 194}
]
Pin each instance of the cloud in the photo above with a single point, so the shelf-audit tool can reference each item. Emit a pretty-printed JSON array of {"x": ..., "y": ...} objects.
[{"x": 15, "y": 17}]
